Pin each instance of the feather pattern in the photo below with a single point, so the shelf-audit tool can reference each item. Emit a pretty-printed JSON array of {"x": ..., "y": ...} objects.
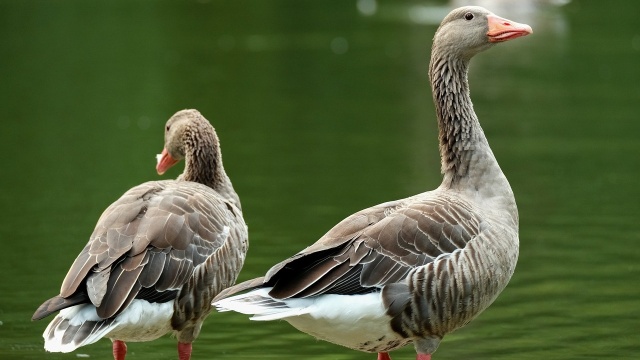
[
  {"x": 416, "y": 269},
  {"x": 158, "y": 255}
]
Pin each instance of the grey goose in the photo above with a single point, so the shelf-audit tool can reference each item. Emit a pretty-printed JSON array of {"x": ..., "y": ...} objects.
[
  {"x": 158, "y": 255},
  {"x": 416, "y": 269}
]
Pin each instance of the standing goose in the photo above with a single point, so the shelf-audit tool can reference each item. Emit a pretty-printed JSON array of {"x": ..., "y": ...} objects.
[
  {"x": 158, "y": 255},
  {"x": 410, "y": 270}
]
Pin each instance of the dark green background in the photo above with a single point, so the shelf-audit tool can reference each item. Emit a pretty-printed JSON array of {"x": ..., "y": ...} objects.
[{"x": 323, "y": 111}]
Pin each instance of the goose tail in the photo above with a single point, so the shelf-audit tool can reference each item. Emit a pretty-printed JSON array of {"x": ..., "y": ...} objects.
[{"x": 262, "y": 306}]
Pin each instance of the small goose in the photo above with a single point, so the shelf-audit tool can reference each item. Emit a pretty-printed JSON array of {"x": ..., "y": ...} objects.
[
  {"x": 158, "y": 255},
  {"x": 416, "y": 269}
]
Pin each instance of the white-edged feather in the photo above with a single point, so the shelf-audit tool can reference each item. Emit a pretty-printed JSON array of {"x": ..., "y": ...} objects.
[{"x": 262, "y": 306}]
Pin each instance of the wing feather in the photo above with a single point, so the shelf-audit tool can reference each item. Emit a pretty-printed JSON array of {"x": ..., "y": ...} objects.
[
  {"x": 150, "y": 239},
  {"x": 119, "y": 287},
  {"x": 376, "y": 247},
  {"x": 153, "y": 269}
]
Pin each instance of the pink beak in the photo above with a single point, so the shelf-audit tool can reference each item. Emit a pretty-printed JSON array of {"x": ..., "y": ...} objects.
[
  {"x": 165, "y": 161},
  {"x": 501, "y": 29}
]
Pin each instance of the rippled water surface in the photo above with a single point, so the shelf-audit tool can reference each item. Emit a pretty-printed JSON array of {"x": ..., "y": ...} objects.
[{"x": 324, "y": 108}]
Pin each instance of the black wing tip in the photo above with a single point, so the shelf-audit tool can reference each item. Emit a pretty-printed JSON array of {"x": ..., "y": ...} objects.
[
  {"x": 57, "y": 303},
  {"x": 48, "y": 307}
]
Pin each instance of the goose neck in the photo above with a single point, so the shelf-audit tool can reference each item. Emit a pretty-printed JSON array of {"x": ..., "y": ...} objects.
[
  {"x": 460, "y": 135},
  {"x": 203, "y": 163}
]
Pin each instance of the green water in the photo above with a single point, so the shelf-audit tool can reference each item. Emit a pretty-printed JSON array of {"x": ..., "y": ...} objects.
[{"x": 323, "y": 111}]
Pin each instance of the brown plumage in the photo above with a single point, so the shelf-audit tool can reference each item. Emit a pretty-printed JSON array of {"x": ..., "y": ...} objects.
[
  {"x": 416, "y": 269},
  {"x": 158, "y": 255}
]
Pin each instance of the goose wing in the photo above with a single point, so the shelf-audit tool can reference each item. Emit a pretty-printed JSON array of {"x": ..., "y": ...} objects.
[
  {"x": 376, "y": 246},
  {"x": 146, "y": 245}
]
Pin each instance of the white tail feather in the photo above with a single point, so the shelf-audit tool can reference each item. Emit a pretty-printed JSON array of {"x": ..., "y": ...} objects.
[
  {"x": 80, "y": 325},
  {"x": 63, "y": 335},
  {"x": 263, "y": 307}
]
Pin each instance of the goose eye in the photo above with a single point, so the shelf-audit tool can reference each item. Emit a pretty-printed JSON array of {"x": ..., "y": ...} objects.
[
  {"x": 168, "y": 127},
  {"x": 468, "y": 16}
]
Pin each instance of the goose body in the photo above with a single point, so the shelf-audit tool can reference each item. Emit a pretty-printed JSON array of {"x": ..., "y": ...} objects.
[
  {"x": 415, "y": 269},
  {"x": 158, "y": 255}
]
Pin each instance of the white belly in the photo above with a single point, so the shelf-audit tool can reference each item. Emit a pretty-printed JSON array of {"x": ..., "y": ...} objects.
[
  {"x": 355, "y": 321},
  {"x": 143, "y": 321}
]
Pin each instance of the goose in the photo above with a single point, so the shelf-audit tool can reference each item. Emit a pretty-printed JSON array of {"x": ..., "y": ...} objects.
[
  {"x": 158, "y": 255},
  {"x": 415, "y": 269}
]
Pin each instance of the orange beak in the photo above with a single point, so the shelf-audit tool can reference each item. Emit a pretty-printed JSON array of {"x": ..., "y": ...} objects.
[
  {"x": 165, "y": 161},
  {"x": 501, "y": 29}
]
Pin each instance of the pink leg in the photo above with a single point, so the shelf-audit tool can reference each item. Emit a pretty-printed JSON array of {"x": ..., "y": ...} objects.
[
  {"x": 384, "y": 356},
  {"x": 184, "y": 351},
  {"x": 423, "y": 357},
  {"x": 119, "y": 349}
]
